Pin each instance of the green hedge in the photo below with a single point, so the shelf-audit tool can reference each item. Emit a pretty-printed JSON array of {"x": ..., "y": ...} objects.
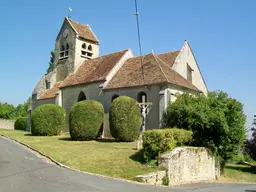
[
  {"x": 21, "y": 123},
  {"x": 181, "y": 136},
  {"x": 125, "y": 119},
  {"x": 86, "y": 120},
  {"x": 158, "y": 141},
  {"x": 47, "y": 120}
]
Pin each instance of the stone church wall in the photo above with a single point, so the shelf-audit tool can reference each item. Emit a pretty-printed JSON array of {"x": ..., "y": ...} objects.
[
  {"x": 152, "y": 96},
  {"x": 66, "y": 65},
  {"x": 45, "y": 101},
  {"x": 92, "y": 91},
  {"x": 70, "y": 97},
  {"x": 185, "y": 58}
]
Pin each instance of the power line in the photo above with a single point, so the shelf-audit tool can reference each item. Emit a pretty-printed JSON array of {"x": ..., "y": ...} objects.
[{"x": 138, "y": 29}]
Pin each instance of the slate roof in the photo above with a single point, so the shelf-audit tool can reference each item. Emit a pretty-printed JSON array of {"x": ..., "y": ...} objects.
[
  {"x": 93, "y": 70},
  {"x": 84, "y": 31},
  {"x": 51, "y": 92},
  {"x": 155, "y": 71}
]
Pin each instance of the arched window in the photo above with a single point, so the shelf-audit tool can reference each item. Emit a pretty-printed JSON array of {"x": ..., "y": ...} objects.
[
  {"x": 62, "y": 48},
  {"x": 90, "y": 48},
  {"x": 142, "y": 97},
  {"x": 114, "y": 97},
  {"x": 84, "y": 46},
  {"x": 81, "y": 96},
  {"x": 66, "y": 51},
  {"x": 62, "y": 51}
]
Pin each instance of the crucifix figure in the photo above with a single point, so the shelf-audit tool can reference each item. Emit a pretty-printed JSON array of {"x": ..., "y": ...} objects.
[
  {"x": 143, "y": 107},
  {"x": 144, "y": 114}
]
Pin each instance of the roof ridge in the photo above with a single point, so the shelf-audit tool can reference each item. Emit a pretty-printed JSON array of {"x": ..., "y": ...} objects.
[
  {"x": 168, "y": 52},
  {"x": 139, "y": 56},
  {"x": 83, "y": 30},
  {"x": 109, "y": 54},
  {"x": 74, "y": 21},
  {"x": 160, "y": 66},
  {"x": 174, "y": 71}
]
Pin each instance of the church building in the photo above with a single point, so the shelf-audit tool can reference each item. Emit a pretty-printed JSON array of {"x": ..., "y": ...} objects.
[{"x": 80, "y": 73}]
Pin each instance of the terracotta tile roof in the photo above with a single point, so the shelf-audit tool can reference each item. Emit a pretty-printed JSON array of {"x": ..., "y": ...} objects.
[
  {"x": 169, "y": 57},
  {"x": 93, "y": 70},
  {"x": 155, "y": 71},
  {"x": 51, "y": 92},
  {"x": 84, "y": 31}
]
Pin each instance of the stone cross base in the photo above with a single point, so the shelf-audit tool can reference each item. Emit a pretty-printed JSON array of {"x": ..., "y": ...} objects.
[{"x": 139, "y": 142}]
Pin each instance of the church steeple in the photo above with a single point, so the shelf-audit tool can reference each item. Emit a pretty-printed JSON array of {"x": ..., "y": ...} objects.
[{"x": 75, "y": 43}]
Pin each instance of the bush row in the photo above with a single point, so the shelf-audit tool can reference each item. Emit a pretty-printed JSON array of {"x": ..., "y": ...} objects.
[
  {"x": 86, "y": 120},
  {"x": 159, "y": 141}
]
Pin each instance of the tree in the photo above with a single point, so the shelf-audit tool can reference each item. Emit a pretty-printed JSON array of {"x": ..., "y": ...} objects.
[
  {"x": 50, "y": 67},
  {"x": 7, "y": 111},
  {"x": 27, "y": 103},
  {"x": 250, "y": 144},
  {"x": 217, "y": 122},
  {"x": 22, "y": 109}
]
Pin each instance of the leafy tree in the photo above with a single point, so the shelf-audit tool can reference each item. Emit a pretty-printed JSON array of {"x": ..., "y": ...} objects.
[
  {"x": 50, "y": 66},
  {"x": 7, "y": 111},
  {"x": 22, "y": 109},
  {"x": 27, "y": 103},
  {"x": 217, "y": 121},
  {"x": 250, "y": 144}
]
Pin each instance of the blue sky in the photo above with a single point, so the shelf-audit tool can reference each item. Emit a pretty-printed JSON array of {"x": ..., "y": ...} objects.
[{"x": 221, "y": 33}]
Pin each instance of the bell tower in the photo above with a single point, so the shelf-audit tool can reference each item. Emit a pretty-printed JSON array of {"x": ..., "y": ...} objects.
[{"x": 75, "y": 43}]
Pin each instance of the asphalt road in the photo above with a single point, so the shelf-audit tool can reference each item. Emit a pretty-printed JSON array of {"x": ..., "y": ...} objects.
[{"x": 24, "y": 171}]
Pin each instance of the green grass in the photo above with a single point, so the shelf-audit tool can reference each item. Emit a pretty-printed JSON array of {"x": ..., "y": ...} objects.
[
  {"x": 239, "y": 173},
  {"x": 113, "y": 159}
]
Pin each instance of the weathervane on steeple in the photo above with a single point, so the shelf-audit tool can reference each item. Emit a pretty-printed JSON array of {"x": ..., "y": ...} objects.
[{"x": 69, "y": 12}]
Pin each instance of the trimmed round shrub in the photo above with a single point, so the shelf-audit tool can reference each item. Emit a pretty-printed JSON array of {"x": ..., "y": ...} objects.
[
  {"x": 47, "y": 120},
  {"x": 85, "y": 120},
  {"x": 125, "y": 119},
  {"x": 21, "y": 123}
]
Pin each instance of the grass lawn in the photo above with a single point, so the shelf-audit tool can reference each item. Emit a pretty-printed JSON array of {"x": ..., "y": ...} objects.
[
  {"x": 113, "y": 159},
  {"x": 239, "y": 173},
  {"x": 106, "y": 158}
]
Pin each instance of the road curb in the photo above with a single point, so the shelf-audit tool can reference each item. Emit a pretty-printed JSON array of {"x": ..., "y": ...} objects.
[
  {"x": 95, "y": 174},
  {"x": 72, "y": 169}
]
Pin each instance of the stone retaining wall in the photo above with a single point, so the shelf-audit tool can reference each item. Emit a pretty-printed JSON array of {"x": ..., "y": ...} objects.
[
  {"x": 185, "y": 165},
  {"x": 155, "y": 178},
  {"x": 189, "y": 165},
  {"x": 6, "y": 124}
]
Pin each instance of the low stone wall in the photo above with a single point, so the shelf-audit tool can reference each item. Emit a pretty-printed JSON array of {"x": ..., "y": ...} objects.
[
  {"x": 185, "y": 165},
  {"x": 155, "y": 178},
  {"x": 7, "y": 124},
  {"x": 189, "y": 165}
]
